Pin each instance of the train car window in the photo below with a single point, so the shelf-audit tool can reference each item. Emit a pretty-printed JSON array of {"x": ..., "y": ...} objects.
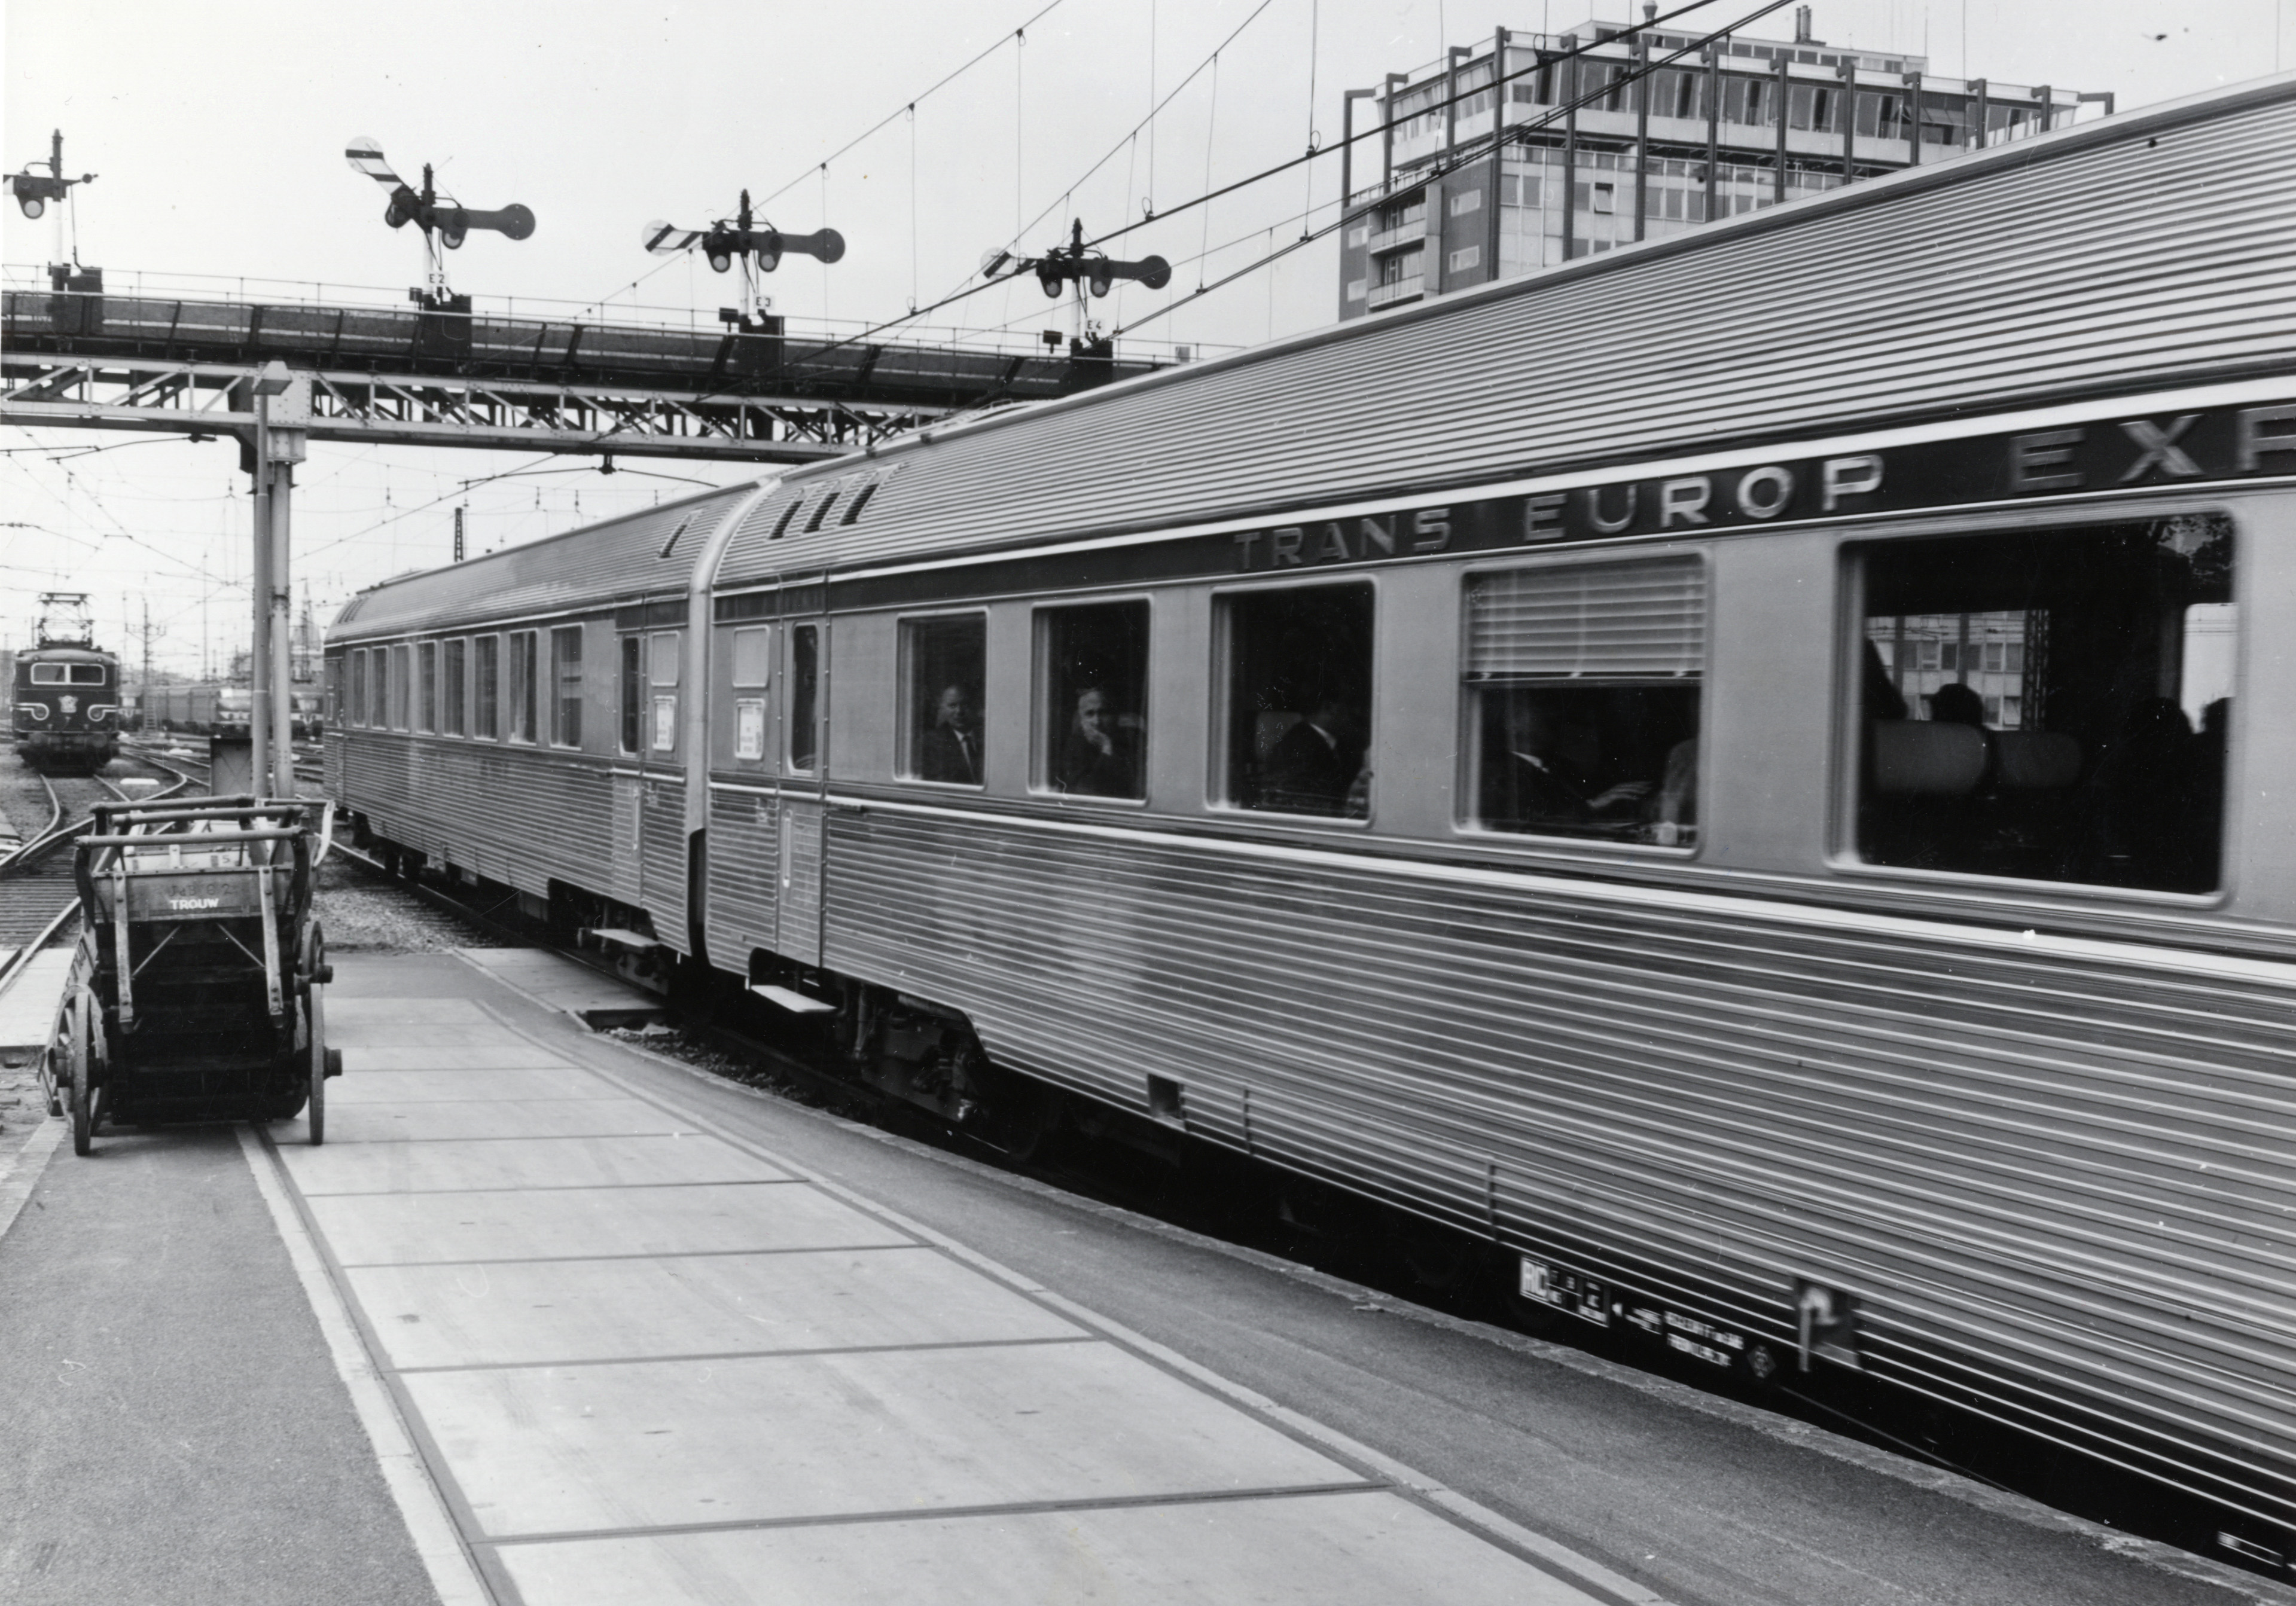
[
  {"x": 752, "y": 671},
  {"x": 943, "y": 733},
  {"x": 86, "y": 674},
  {"x": 1299, "y": 664},
  {"x": 426, "y": 686},
  {"x": 523, "y": 654},
  {"x": 632, "y": 692},
  {"x": 566, "y": 679},
  {"x": 2049, "y": 705},
  {"x": 48, "y": 674},
  {"x": 358, "y": 686},
  {"x": 1582, "y": 685},
  {"x": 378, "y": 711},
  {"x": 753, "y": 656},
  {"x": 402, "y": 657},
  {"x": 804, "y": 687},
  {"x": 1092, "y": 699},
  {"x": 486, "y": 699},
  {"x": 452, "y": 687},
  {"x": 663, "y": 660}
]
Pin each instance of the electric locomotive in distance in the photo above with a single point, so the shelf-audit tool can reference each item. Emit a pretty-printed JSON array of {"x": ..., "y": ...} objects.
[{"x": 65, "y": 701}]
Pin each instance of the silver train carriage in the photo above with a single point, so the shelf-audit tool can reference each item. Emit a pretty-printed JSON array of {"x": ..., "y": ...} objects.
[
  {"x": 1743, "y": 772},
  {"x": 65, "y": 708},
  {"x": 201, "y": 708}
]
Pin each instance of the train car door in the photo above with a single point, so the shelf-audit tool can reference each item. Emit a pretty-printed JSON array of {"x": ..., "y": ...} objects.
[
  {"x": 626, "y": 875},
  {"x": 805, "y": 773}
]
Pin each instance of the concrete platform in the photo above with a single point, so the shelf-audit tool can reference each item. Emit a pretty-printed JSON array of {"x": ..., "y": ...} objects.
[
  {"x": 654, "y": 1363},
  {"x": 27, "y": 1009},
  {"x": 615, "y": 1334}
]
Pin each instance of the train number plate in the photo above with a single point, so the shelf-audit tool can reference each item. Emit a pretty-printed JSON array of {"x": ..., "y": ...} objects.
[{"x": 1583, "y": 1296}]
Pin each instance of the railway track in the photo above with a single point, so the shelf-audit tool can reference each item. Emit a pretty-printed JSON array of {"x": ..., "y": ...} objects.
[{"x": 38, "y": 900}]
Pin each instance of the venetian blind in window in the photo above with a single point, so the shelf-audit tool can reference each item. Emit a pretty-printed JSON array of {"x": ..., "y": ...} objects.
[{"x": 1641, "y": 620}]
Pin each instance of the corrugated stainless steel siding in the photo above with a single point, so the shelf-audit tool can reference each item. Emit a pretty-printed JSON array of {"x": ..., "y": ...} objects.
[
  {"x": 626, "y": 872},
  {"x": 512, "y": 814},
  {"x": 2129, "y": 256},
  {"x": 661, "y": 833},
  {"x": 2075, "y": 1168},
  {"x": 744, "y": 848},
  {"x": 581, "y": 569},
  {"x": 805, "y": 837}
]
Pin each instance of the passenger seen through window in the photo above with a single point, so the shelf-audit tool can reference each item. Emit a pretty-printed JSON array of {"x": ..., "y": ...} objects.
[
  {"x": 1300, "y": 683},
  {"x": 944, "y": 659},
  {"x": 1092, "y": 695},
  {"x": 1583, "y": 685},
  {"x": 2050, "y": 705}
]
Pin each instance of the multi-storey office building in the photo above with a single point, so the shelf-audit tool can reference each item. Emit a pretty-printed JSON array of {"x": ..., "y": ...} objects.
[{"x": 1590, "y": 157}]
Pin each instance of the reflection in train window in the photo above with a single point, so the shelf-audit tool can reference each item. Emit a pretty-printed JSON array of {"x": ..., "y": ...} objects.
[
  {"x": 358, "y": 686},
  {"x": 48, "y": 674},
  {"x": 566, "y": 677},
  {"x": 1299, "y": 700},
  {"x": 426, "y": 686},
  {"x": 632, "y": 682},
  {"x": 942, "y": 726},
  {"x": 522, "y": 691},
  {"x": 804, "y": 683},
  {"x": 401, "y": 703},
  {"x": 1092, "y": 699},
  {"x": 1582, "y": 685},
  {"x": 451, "y": 688},
  {"x": 2052, "y": 705},
  {"x": 485, "y": 717}
]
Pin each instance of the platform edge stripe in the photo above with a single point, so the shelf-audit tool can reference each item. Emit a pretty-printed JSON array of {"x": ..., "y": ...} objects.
[
  {"x": 23, "y": 1171},
  {"x": 453, "y": 1570},
  {"x": 1555, "y": 1557}
]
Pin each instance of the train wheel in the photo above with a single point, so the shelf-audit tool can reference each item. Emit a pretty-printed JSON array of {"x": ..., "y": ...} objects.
[
  {"x": 1028, "y": 1118},
  {"x": 316, "y": 1113},
  {"x": 80, "y": 1061}
]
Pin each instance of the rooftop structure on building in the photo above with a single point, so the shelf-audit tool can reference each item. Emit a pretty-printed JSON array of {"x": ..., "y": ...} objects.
[{"x": 1535, "y": 149}]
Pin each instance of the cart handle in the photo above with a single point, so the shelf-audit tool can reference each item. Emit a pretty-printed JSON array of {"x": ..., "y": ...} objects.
[
  {"x": 213, "y": 839},
  {"x": 210, "y": 811}
]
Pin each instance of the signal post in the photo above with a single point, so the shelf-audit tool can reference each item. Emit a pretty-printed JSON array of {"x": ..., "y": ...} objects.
[{"x": 279, "y": 438}]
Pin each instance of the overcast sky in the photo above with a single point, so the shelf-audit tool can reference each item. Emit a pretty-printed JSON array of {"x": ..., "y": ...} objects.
[{"x": 218, "y": 131}]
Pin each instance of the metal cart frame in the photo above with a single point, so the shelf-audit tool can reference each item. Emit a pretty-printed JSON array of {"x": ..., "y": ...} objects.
[{"x": 198, "y": 989}]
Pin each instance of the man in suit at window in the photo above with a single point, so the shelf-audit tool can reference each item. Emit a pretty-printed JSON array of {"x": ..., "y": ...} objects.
[
  {"x": 951, "y": 749},
  {"x": 1313, "y": 769},
  {"x": 1531, "y": 782}
]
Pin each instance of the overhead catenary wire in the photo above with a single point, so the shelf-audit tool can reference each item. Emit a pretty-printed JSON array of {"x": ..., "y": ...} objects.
[
  {"x": 1388, "y": 127},
  {"x": 915, "y": 100},
  {"x": 967, "y": 291},
  {"x": 1474, "y": 151},
  {"x": 1146, "y": 124},
  {"x": 909, "y": 106}
]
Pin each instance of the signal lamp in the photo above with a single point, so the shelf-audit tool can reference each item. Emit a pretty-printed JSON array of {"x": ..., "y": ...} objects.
[{"x": 720, "y": 261}]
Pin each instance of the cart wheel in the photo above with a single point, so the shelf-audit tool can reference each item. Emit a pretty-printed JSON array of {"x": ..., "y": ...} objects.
[
  {"x": 315, "y": 1112},
  {"x": 81, "y": 1064}
]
